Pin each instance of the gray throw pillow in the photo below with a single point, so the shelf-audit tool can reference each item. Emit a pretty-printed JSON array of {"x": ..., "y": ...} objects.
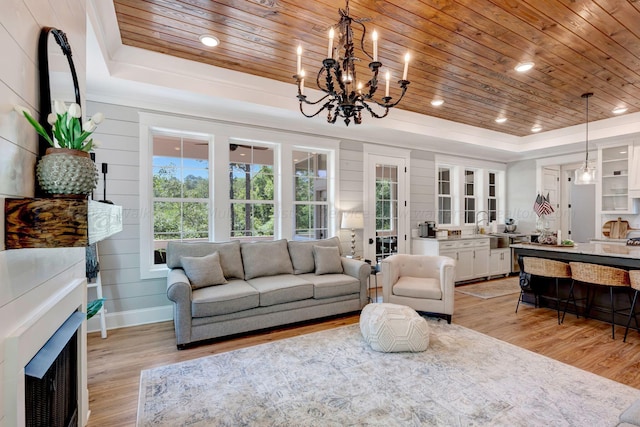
[
  {"x": 204, "y": 271},
  {"x": 230, "y": 257},
  {"x": 327, "y": 260},
  {"x": 262, "y": 259},
  {"x": 301, "y": 252}
]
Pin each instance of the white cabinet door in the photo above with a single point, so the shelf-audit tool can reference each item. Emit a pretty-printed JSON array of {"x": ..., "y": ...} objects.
[
  {"x": 480, "y": 262},
  {"x": 464, "y": 265},
  {"x": 499, "y": 262}
]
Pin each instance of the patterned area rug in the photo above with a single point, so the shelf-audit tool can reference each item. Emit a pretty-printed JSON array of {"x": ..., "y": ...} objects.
[
  {"x": 332, "y": 378},
  {"x": 492, "y": 288}
]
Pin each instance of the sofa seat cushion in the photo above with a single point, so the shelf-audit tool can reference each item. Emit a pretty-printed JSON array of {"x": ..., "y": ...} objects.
[
  {"x": 237, "y": 295},
  {"x": 418, "y": 287},
  {"x": 281, "y": 288},
  {"x": 332, "y": 285},
  {"x": 265, "y": 258},
  {"x": 301, "y": 252}
]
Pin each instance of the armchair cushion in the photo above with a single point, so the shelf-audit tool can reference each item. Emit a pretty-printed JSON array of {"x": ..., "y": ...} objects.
[{"x": 418, "y": 287}]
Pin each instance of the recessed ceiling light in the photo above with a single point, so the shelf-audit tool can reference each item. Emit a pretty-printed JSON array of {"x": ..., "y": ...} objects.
[
  {"x": 524, "y": 66},
  {"x": 209, "y": 40},
  {"x": 536, "y": 128},
  {"x": 619, "y": 110},
  {"x": 501, "y": 119},
  {"x": 437, "y": 102}
]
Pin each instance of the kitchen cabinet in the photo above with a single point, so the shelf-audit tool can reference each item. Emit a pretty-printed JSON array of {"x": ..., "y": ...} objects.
[
  {"x": 471, "y": 254},
  {"x": 499, "y": 262},
  {"x": 615, "y": 167}
]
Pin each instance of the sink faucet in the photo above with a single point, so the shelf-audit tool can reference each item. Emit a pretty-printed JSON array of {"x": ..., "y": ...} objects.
[{"x": 477, "y": 230}]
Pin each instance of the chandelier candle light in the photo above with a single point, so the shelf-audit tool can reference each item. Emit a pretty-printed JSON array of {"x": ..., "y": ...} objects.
[{"x": 345, "y": 96}]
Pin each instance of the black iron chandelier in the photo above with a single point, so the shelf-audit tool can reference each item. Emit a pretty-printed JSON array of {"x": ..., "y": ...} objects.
[{"x": 345, "y": 96}]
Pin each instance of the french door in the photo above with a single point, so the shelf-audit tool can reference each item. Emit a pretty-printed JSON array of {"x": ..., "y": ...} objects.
[{"x": 386, "y": 211}]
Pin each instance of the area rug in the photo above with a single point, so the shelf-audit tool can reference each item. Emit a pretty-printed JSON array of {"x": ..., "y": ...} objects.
[
  {"x": 491, "y": 288},
  {"x": 332, "y": 378}
]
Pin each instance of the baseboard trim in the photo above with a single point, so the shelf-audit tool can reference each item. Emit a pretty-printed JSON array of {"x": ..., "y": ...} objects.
[{"x": 125, "y": 319}]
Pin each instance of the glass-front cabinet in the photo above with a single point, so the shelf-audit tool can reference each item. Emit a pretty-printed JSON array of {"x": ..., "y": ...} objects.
[{"x": 614, "y": 169}]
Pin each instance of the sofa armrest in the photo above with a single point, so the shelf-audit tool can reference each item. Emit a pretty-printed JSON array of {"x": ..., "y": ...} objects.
[
  {"x": 179, "y": 291},
  {"x": 361, "y": 271}
]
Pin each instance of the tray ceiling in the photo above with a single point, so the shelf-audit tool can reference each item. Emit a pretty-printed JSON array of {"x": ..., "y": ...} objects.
[{"x": 463, "y": 52}]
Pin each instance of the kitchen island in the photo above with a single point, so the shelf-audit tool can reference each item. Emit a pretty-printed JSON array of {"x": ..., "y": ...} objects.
[{"x": 614, "y": 255}]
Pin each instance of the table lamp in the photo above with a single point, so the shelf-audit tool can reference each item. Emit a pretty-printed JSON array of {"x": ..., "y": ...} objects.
[{"x": 354, "y": 221}]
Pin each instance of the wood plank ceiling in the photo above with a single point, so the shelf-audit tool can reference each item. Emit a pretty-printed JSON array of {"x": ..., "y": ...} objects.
[{"x": 463, "y": 51}]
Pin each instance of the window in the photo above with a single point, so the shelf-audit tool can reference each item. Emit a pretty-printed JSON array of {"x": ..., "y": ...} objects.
[
  {"x": 386, "y": 210},
  {"x": 180, "y": 191},
  {"x": 468, "y": 186},
  {"x": 469, "y": 196},
  {"x": 444, "y": 195},
  {"x": 492, "y": 200},
  {"x": 211, "y": 181},
  {"x": 310, "y": 181},
  {"x": 251, "y": 184}
]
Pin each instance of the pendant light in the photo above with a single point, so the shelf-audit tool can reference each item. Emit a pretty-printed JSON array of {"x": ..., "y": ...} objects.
[{"x": 586, "y": 174}]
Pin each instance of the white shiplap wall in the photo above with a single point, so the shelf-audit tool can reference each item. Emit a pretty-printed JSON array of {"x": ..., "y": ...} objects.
[{"x": 28, "y": 275}]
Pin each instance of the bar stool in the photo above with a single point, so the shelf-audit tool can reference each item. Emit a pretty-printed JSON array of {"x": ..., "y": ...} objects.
[
  {"x": 600, "y": 275},
  {"x": 547, "y": 268},
  {"x": 634, "y": 278}
]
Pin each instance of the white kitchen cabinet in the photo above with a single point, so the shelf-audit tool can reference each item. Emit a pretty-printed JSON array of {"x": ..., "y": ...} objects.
[
  {"x": 615, "y": 168},
  {"x": 471, "y": 255},
  {"x": 499, "y": 262}
]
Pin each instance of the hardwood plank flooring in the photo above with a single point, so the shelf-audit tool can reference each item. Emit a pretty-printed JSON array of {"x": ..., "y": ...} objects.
[{"x": 115, "y": 363}]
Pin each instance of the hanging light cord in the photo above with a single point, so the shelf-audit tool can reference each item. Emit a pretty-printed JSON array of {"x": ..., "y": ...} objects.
[{"x": 586, "y": 160}]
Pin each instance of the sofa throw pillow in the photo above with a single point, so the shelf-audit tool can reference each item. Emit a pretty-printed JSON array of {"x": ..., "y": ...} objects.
[
  {"x": 301, "y": 253},
  {"x": 230, "y": 258},
  {"x": 265, "y": 259},
  {"x": 327, "y": 260},
  {"x": 204, "y": 271}
]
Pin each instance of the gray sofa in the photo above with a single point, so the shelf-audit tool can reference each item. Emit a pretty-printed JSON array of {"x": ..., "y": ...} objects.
[{"x": 221, "y": 289}]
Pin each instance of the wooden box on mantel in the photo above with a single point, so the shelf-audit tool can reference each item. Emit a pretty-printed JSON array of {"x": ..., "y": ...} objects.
[{"x": 59, "y": 222}]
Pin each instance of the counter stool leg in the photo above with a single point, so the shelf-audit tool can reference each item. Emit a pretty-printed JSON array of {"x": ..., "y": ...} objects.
[
  {"x": 569, "y": 298},
  {"x": 613, "y": 314},
  {"x": 631, "y": 313},
  {"x": 558, "y": 300}
]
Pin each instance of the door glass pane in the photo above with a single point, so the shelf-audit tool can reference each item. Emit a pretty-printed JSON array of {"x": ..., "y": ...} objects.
[{"x": 386, "y": 210}]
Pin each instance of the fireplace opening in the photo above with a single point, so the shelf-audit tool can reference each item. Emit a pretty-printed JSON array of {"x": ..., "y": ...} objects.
[{"x": 51, "y": 379}]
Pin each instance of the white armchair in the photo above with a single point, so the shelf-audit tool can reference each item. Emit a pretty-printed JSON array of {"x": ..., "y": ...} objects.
[{"x": 422, "y": 282}]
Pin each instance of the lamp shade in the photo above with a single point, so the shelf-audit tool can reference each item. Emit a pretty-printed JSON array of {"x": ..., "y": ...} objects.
[
  {"x": 353, "y": 220},
  {"x": 585, "y": 175}
]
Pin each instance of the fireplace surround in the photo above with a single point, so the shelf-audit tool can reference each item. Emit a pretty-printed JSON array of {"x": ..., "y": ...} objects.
[{"x": 48, "y": 292}]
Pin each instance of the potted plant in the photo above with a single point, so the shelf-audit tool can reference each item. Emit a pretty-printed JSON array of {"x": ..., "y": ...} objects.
[{"x": 66, "y": 169}]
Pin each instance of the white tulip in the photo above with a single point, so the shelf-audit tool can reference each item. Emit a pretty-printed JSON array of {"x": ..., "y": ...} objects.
[
  {"x": 96, "y": 143},
  {"x": 21, "y": 110},
  {"x": 75, "y": 111},
  {"x": 51, "y": 118},
  {"x": 97, "y": 118},
  {"x": 89, "y": 126},
  {"x": 59, "y": 107}
]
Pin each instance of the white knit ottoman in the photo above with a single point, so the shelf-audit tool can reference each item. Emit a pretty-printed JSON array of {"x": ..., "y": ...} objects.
[{"x": 392, "y": 328}]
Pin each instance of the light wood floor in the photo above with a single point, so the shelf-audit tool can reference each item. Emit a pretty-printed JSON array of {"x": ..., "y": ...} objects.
[{"x": 115, "y": 362}]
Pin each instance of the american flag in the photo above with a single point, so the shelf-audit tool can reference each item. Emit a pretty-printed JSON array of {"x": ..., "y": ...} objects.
[{"x": 542, "y": 205}]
